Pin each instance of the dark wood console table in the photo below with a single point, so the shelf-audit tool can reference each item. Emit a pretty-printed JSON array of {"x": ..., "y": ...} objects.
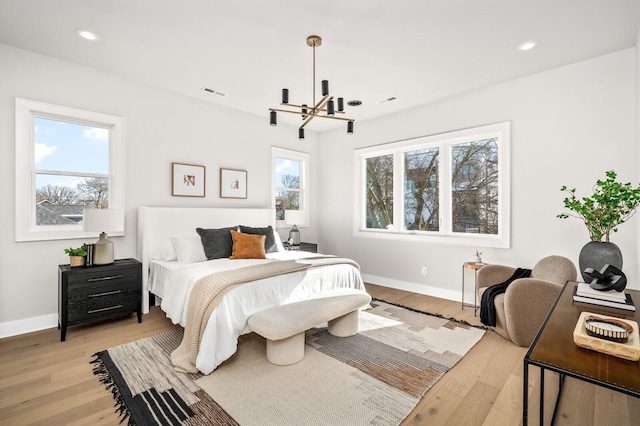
[{"x": 553, "y": 349}]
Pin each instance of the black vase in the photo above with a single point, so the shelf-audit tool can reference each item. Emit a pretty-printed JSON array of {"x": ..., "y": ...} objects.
[{"x": 596, "y": 254}]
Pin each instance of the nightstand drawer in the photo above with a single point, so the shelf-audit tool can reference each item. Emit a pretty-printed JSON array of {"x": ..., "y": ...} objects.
[
  {"x": 101, "y": 308},
  {"x": 79, "y": 293},
  {"x": 103, "y": 277}
]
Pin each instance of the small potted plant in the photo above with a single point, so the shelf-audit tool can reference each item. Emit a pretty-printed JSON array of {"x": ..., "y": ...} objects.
[
  {"x": 611, "y": 204},
  {"x": 76, "y": 255}
]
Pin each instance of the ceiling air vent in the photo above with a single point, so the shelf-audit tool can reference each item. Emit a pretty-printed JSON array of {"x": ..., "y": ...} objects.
[
  {"x": 384, "y": 101},
  {"x": 214, "y": 92}
]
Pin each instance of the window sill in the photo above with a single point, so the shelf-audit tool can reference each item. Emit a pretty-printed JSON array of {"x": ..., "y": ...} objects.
[{"x": 473, "y": 240}]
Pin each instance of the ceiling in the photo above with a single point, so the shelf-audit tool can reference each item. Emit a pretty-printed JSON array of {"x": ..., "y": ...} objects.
[{"x": 417, "y": 51}]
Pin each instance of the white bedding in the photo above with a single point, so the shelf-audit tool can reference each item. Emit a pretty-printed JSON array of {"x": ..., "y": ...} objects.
[{"x": 172, "y": 281}]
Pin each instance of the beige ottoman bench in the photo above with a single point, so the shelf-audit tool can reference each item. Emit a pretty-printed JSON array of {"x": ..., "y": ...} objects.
[{"x": 284, "y": 326}]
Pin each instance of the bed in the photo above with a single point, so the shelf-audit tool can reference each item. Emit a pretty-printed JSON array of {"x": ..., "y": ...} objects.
[{"x": 162, "y": 231}]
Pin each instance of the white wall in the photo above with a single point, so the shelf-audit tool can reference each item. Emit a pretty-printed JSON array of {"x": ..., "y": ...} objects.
[
  {"x": 569, "y": 126},
  {"x": 638, "y": 133},
  {"x": 160, "y": 128}
]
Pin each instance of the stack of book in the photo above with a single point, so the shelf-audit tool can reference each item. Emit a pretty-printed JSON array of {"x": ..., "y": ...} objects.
[{"x": 611, "y": 298}]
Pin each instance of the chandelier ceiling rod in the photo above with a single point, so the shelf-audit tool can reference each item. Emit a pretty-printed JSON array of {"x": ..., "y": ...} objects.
[
  {"x": 325, "y": 108},
  {"x": 314, "y": 42}
]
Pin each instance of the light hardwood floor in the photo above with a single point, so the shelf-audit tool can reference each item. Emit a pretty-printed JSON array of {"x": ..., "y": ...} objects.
[{"x": 45, "y": 381}]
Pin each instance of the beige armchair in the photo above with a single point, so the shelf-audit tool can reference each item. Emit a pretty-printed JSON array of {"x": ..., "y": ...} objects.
[{"x": 521, "y": 310}]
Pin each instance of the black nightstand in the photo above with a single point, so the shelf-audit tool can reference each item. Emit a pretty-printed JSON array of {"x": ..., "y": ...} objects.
[
  {"x": 94, "y": 293},
  {"x": 310, "y": 247}
]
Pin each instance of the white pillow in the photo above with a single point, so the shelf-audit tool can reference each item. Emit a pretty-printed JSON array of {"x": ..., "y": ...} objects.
[
  {"x": 167, "y": 255},
  {"x": 189, "y": 249}
]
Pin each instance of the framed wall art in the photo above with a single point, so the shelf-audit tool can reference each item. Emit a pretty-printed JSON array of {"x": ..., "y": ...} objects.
[
  {"x": 188, "y": 180},
  {"x": 233, "y": 183}
]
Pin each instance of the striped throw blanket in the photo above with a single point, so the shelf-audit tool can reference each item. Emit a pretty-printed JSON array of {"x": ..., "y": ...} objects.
[{"x": 208, "y": 291}]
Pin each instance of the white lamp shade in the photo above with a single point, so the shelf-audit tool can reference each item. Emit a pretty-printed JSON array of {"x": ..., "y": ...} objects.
[
  {"x": 294, "y": 217},
  {"x": 103, "y": 220}
]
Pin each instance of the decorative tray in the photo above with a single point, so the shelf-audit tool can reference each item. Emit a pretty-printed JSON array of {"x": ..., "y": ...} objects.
[{"x": 627, "y": 350}]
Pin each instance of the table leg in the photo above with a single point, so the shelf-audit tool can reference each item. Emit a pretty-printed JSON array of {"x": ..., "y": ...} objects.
[
  {"x": 541, "y": 396},
  {"x": 555, "y": 408},
  {"x": 462, "y": 287},
  {"x": 475, "y": 292},
  {"x": 525, "y": 393}
]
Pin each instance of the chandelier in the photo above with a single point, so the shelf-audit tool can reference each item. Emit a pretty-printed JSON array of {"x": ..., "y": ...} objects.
[{"x": 324, "y": 108}]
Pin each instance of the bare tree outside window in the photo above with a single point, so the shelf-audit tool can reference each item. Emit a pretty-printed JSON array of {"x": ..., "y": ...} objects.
[
  {"x": 449, "y": 187},
  {"x": 379, "y": 189},
  {"x": 62, "y": 204},
  {"x": 288, "y": 185},
  {"x": 94, "y": 192},
  {"x": 287, "y": 200},
  {"x": 474, "y": 187},
  {"x": 422, "y": 195},
  {"x": 90, "y": 192},
  {"x": 57, "y": 194}
]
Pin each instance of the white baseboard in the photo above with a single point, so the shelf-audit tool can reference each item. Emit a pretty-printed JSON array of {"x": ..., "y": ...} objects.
[
  {"x": 28, "y": 325},
  {"x": 427, "y": 290}
]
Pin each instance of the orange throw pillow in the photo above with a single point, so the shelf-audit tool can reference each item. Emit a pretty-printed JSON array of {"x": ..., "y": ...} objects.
[{"x": 247, "y": 246}]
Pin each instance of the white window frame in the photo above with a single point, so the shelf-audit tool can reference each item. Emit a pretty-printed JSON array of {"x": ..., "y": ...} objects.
[
  {"x": 304, "y": 191},
  {"x": 26, "y": 112},
  {"x": 444, "y": 142}
]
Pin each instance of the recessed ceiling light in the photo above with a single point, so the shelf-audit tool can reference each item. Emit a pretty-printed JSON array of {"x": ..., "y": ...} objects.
[
  {"x": 354, "y": 103},
  {"x": 87, "y": 35},
  {"x": 527, "y": 45}
]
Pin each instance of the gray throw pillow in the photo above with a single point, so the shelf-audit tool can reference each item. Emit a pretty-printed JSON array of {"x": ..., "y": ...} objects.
[
  {"x": 270, "y": 245},
  {"x": 217, "y": 243}
]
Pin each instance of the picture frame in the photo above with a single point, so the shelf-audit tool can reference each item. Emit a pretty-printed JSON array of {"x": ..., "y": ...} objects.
[
  {"x": 188, "y": 180},
  {"x": 233, "y": 183}
]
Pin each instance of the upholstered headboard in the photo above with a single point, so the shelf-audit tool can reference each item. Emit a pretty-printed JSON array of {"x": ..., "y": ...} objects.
[{"x": 156, "y": 225}]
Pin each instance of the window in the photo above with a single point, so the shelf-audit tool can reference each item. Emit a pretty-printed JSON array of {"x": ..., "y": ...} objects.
[
  {"x": 66, "y": 160},
  {"x": 452, "y": 187},
  {"x": 290, "y": 183}
]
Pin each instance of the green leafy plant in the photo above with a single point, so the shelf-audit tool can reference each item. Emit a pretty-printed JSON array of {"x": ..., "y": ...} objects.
[
  {"x": 611, "y": 204},
  {"x": 78, "y": 251}
]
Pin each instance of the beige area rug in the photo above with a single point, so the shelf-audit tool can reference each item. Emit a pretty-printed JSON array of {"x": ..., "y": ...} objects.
[{"x": 374, "y": 378}]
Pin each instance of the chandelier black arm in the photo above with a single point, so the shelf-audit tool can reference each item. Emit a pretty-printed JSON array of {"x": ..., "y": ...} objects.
[
  {"x": 302, "y": 106},
  {"x": 309, "y": 115}
]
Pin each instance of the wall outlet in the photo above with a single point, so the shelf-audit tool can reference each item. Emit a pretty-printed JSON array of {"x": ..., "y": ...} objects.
[{"x": 424, "y": 270}]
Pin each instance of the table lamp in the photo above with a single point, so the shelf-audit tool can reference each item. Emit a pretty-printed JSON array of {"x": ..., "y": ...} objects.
[
  {"x": 294, "y": 217},
  {"x": 103, "y": 221}
]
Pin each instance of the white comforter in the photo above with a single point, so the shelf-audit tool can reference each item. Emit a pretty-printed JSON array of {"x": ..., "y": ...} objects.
[{"x": 173, "y": 282}]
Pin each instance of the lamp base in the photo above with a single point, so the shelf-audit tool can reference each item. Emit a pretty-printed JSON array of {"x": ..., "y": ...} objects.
[
  {"x": 294, "y": 236},
  {"x": 103, "y": 250}
]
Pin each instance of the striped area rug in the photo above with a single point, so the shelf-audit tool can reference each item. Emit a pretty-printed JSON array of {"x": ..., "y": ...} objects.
[{"x": 374, "y": 378}]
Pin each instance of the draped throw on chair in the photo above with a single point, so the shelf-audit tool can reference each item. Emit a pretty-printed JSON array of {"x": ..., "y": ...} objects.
[{"x": 487, "y": 307}]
